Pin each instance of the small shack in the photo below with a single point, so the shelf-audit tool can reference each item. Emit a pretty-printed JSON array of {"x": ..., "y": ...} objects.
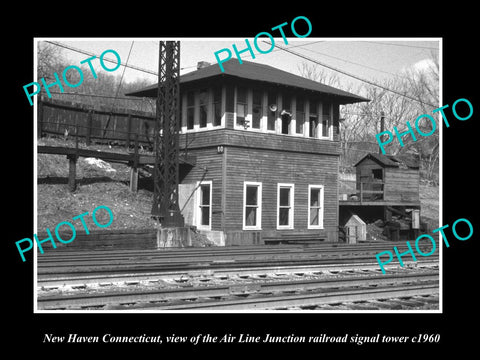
[
  {"x": 387, "y": 189},
  {"x": 355, "y": 230},
  {"x": 388, "y": 178}
]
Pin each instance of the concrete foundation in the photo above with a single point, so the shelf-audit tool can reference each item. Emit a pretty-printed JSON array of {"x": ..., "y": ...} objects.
[{"x": 173, "y": 237}]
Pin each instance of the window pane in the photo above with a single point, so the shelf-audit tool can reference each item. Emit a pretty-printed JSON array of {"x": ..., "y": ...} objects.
[
  {"x": 250, "y": 216},
  {"x": 217, "y": 94},
  {"x": 190, "y": 98},
  {"x": 217, "y": 114},
  {"x": 217, "y": 106},
  {"x": 284, "y": 216},
  {"x": 241, "y": 105},
  {"x": 272, "y": 100},
  {"x": 205, "y": 215},
  {"x": 314, "y": 219},
  {"x": 314, "y": 197},
  {"x": 252, "y": 195},
  {"x": 257, "y": 109},
  {"x": 313, "y": 107},
  {"x": 313, "y": 126},
  {"x": 205, "y": 195},
  {"x": 190, "y": 119},
  {"x": 287, "y": 102},
  {"x": 229, "y": 102},
  {"x": 300, "y": 115},
  {"x": 326, "y": 109},
  {"x": 256, "y": 116},
  {"x": 284, "y": 196},
  {"x": 241, "y": 94},
  {"x": 325, "y": 119},
  {"x": 203, "y": 116}
]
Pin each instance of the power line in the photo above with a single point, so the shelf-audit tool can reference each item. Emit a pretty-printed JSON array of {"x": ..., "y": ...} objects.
[
  {"x": 404, "y": 45},
  {"x": 100, "y": 96},
  {"x": 105, "y": 59},
  {"x": 355, "y": 63},
  {"x": 351, "y": 75}
]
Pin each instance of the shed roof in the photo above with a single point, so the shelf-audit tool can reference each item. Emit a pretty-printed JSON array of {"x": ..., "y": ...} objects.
[
  {"x": 257, "y": 72},
  {"x": 391, "y": 160}
]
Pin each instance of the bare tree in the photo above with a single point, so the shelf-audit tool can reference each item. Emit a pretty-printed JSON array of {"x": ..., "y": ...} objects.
[
  {"x": 315, "y": 73},
  {"x": 49, "y": 60}
]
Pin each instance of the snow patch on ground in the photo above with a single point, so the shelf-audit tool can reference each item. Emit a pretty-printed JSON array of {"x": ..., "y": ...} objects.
[{"x": 100, "y": 164}]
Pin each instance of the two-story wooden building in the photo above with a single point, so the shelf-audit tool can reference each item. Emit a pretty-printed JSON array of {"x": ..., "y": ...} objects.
[{"x": 266, "y": 144}]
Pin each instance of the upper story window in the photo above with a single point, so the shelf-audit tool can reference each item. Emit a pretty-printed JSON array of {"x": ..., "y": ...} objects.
[
  {"x": 257, "y": 108},
  {"x": 203, "y": 102},
  {"x": 286, "y": 114},
  {"x": 271, "y": 115},
  {"x": 300, "y": 115},
  {"x": 242, "y": 109},
  {"x": 190, "y": 110},
  {"x": 254, "y": 108},
  {"x": 313, "y": 118},
  {"x": 326, "y": 119},
  {"x": 217, "y": 105}
]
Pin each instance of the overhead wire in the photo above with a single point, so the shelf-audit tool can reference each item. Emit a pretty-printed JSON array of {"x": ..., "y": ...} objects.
[
  {"x": 118, "y": 89},
  {"x": 404, "y": 45},
  {"x": 355, "y": 63},
  {"x": 351, "y": 75},
  {"x": 105, "y": 59}
]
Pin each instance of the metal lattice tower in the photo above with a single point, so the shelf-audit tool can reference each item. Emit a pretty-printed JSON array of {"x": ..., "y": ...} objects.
[{"x": 165, "y": 195}]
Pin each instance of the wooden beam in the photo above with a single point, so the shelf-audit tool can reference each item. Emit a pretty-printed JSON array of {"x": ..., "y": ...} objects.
[
  {"x": 72, "y": 172},
  {"x": 133, "y": 179}
]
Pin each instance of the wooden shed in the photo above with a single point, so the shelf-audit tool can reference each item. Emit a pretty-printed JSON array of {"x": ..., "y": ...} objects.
[
  {"x": 355, "y": 230},
  {"x": 387, "y": 189},
  {"x": 388, "y": 178}
]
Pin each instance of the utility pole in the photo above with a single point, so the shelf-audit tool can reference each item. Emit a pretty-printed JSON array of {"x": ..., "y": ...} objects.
[
  {"x": 382, "y": 128},
  {"x": 165, "y": 206}
]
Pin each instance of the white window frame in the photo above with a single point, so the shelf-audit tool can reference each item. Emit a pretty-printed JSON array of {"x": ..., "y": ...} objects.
[
  {"x": 250, "y": 106},
  {"x": 322, "y": 208},
  {"x": 198, "y": 212},
  {"x": 259, "y": 205},
  {"x": 329, "y": 122},
  {"x": 248, "y": 113},
  {"x": 291, "y": 216}
]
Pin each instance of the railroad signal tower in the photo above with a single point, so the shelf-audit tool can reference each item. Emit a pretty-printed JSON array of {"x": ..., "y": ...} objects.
[{"x": 165, "y": 206}]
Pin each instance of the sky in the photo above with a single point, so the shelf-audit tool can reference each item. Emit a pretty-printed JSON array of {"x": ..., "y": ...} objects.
[{"x": 374, "y": 59}]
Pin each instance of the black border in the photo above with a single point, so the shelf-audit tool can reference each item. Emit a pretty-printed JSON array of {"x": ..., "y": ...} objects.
[{"x": 459, "y": 64}]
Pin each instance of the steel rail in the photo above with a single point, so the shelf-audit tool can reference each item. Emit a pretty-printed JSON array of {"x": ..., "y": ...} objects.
[
  {"x": 144, "y": 296},
  {"x": 188, "y": 265},
  {"x": 56, "y": 279},
  {"x": 211, "y": 251},
  {"x": 303, "y": 300}
]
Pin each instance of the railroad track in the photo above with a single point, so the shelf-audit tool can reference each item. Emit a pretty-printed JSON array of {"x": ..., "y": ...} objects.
[
  {"x": 251, "y": 294},
  {"x": 63, "y": 265},
  {"x": 175, "y": 279}
]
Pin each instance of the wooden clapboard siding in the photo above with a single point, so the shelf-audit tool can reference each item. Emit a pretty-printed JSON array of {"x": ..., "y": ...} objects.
[
  {"x": 402, "y": 184},
  {"x": 269, "y": 159},
  {"x": 208, "y": 168},
  {"x": 272, "y": 167},
  {"x": 258, "y": 140}
]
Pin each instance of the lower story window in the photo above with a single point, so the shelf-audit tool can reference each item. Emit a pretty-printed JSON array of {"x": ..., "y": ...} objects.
[
  {"x": 315, "y": 206},
  {"x": 285, "y": 201},
  {"x": 252, "y": 206},
  {"x": 204, "y": 208}
]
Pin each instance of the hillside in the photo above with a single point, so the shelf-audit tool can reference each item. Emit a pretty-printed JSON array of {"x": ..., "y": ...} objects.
[{"x": 98, "y": 183}]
